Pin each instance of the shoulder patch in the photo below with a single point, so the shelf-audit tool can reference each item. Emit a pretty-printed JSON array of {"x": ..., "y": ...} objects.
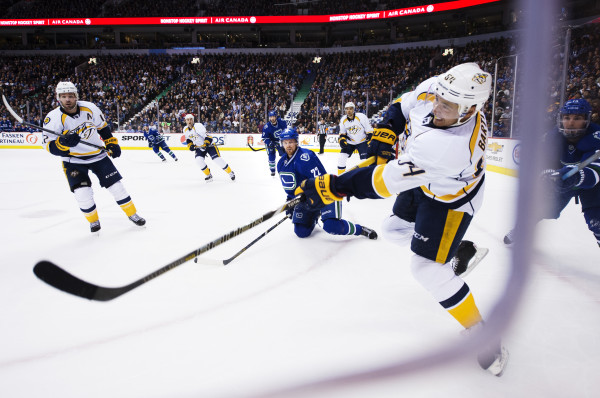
[
  {"x": 305, "y": 157},
  {"x": 47, "y": 120},
  {"x": 596, "y": 135}
]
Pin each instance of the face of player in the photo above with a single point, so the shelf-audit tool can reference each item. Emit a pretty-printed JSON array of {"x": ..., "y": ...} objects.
[
  {"x": 350, "y": 112},
  {"x": 290, "y": 146},
  {"x": 273, "y": 119},
  {"x": 445, "y": 113},
  {"x": 68, "y": 101},
  {"x": 190, "y": 122},
  {"x": 574, "y": 126}
]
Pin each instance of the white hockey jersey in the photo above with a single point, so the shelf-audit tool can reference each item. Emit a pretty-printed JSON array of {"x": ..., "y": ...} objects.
[
  {"x": 196, "y": 134},
  {"x": 356, "y": 129},
  {"x": 447, "y": 163},
  {"x": 87, "y": 113}
]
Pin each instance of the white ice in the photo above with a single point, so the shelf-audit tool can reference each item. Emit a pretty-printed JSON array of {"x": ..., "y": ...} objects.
[{"x": 287, "y": 312}]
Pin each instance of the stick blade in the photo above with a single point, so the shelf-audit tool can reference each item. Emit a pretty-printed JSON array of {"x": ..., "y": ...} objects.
[
  {"x": 62, "y": 280},
  {"x": 10, "y": 110}
]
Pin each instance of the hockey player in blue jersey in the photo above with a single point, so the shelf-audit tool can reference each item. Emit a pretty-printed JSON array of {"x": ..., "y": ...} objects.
[
  {"x": 270, "y": 136},
  {"x": 298, "y": 164},
  {"x": 156, "y": 141},
  {"x": 578, "y": 139}
]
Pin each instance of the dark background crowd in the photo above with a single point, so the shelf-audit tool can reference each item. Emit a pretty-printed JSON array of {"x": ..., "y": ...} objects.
[{"x": 233, "y": 93}]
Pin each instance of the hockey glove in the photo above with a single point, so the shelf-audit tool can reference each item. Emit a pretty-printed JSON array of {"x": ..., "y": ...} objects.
[
  {"x": 191, "y": 146},
  {"x": 382, "y": 143},
  {"x": 586, "y": 178},
  {"x": 319, "y": 191},
  {"x": 343, "y": 141},
  {"x": 112, "y": 147},
  {"x": 68, "y": 140}
]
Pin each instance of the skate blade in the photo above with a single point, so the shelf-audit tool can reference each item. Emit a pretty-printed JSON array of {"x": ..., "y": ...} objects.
[{"x": 479, "y": 255}]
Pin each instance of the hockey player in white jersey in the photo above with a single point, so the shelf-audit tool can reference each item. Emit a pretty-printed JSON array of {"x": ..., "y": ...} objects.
[
  {"x": 439, "y": 179},
  {"x": 201, "y": 143},
  {"x": 79, "y": 122},
  {"x": 355, "y": 132}
]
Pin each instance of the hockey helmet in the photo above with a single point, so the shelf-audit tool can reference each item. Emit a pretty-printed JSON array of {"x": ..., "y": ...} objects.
[
  {"x": 349, "y": 105},
  {"x": 189, "y": 116},
  {"x": 289, "y": 133},
  {"x": 466, "y": 85},
  {"x": 66, "y": 87},
  {"x": 272, "y": 113},
  {"x": 578, "y": 106}
]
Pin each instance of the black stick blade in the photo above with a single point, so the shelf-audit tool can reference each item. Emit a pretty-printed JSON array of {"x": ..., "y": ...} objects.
[{"x": 62, "y": 280}]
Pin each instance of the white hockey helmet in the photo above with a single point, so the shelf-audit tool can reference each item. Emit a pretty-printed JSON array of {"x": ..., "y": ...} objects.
[
  {"x": 66, "y": 87},
  {"x": 349, "y": 105},
  {"x": 189, "y": 116},
  {"x": 466, "y": 85}
]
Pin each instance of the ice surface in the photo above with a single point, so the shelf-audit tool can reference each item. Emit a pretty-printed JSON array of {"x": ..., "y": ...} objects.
[{"x": 288, "y": 311}]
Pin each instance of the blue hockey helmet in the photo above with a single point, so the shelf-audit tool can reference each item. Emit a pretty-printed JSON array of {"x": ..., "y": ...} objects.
[
  {"x": 289, "y": 133},
  {"x": 272, "y": 113},
  {"x": 578, "y": 106}
]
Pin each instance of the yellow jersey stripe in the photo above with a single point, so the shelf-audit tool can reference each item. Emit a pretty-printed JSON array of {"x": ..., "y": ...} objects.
[
  {"x": 426, "y": 97},
  {"x": 86, "y": 153},
  {"x": 378, "y": 183},
  {"x": 451, "y": 197},
  {"x": 83, "y": 108},
  {"x": 63, "y": 117},
  {"x": 453, "y": 220},
  {"x": 475, "y": 134}
]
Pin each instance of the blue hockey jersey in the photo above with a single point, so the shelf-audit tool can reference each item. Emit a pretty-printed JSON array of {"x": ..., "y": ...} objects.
[
  {"x": 270, "y": 132},
  {"x": 153, "y": 137},
  {"x": 302, "y": 165}
]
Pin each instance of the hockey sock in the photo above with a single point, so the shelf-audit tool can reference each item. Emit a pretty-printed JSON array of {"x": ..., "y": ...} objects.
[
  {"x": 122, "y": 197},
  {"x": 342, "y": 162},
  {"x": 206, "y": 171},
  {"x": 172, "y": 155},
  {"x": 272, "y": 166},
  {"x": 448, "y": 289},
  {"x": 336, "y": 226},
  {"x": 462, "y": 307},
  {"x": 160, "y": 155},
  {"x": 85, "y": 199},
  {"x": 221, "y": 163}
]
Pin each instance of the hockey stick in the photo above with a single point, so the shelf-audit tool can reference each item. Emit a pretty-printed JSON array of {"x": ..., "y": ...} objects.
[
  {"x": 256, "y": 150},
  {"x": 230, "y": 259},
  {"x": 62, "y": 280},
  {"x": 20, "y": 120},
  {"x": 581, "y": 165}
]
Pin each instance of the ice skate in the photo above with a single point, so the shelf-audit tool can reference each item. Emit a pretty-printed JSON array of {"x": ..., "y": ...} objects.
[
  {"x": 232, "y": 176},
  {"x": 137, "y": 220},
  {"x": 95, "y": 226},
  {"x": 209, "y": 178},
  {"x": 467, "y": 257},
  {"x": 492, "y": 358},
  {"x": 368, "y": 232},
  {"x": 272, "y": 173},
  {"x": 509, "y": 238}
]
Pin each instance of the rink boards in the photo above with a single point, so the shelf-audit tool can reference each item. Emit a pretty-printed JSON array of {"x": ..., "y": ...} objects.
[{"x": 503, "y": 155}]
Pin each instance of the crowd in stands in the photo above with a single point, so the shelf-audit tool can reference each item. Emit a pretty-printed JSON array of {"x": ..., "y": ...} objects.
[{"x": 233, "y": 93}]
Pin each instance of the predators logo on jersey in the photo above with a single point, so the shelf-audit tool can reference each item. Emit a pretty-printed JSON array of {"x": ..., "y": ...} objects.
[{"x": 480, "y": 78}]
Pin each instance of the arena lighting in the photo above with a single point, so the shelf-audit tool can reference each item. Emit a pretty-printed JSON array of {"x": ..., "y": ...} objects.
[
  {"x": 92, "y": 61},
  {"x": 448, "y": 51},
  {"x": 364, "y": 16},
  {"x": 195, "y": 60},
  {"x": 316, "y": 60}
]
